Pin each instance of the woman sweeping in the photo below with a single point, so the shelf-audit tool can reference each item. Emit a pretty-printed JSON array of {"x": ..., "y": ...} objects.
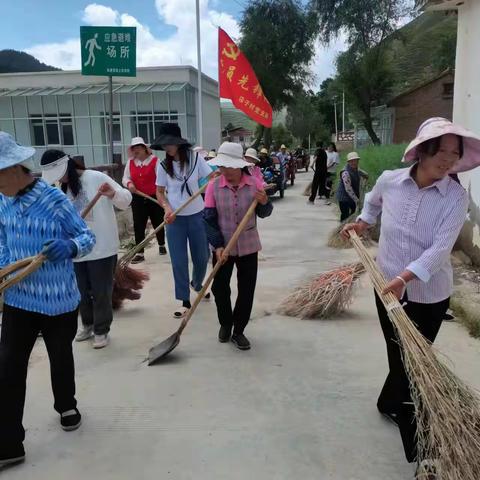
[
  {"x": 94, "y": 271},
  {"x": 36, "y": 217},
  {"x": 178, "y": 179},
  {"x": 139, "y": 176},
  {"x": 227, "y": 200},
  {"x": 422, "y": 211}
]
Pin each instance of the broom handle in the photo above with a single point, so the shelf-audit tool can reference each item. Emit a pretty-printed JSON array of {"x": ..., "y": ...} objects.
[
  {"x": 144, "y": 195},
  {"x": 152, "y": 235},
  {"x": 218, "y": 265},
  {"x": 33, "y": 263}
]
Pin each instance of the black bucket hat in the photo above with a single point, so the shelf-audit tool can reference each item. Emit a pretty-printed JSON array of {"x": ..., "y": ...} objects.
[{"x": 169, "y": 134}]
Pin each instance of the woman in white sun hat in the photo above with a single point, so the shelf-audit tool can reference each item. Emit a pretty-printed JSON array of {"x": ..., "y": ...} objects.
[
  {"x": 422, "y": 211},
  {"x": 227, "y": 200},
  {"x": 140, "y": 176},
  {"x": 251, "y": 157}
]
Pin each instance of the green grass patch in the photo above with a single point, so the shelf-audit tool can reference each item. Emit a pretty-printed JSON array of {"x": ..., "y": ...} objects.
[{"x": 468, "y": 315}]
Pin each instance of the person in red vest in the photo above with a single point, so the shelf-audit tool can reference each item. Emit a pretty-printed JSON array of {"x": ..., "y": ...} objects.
[{"x": 140, "y": 176}]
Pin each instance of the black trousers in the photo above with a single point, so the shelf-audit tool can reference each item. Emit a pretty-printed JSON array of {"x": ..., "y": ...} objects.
[
  {"x": 20, "y": 329},
  {"x": 95, "y": 282},
  {"x": 346, "y": 209},
  {"x": 318, "y": 184},
  {"x": 143, "y": 210},
  {"x": 247, "y": 268},
  {"x": 395, "y": 396}
]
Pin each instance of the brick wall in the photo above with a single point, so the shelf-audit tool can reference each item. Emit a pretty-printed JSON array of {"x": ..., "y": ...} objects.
[{"x": 412, "y": 109}]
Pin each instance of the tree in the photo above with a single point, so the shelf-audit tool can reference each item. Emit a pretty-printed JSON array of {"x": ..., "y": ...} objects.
[
  {"x": 367, "y": 80},
  {"x": 278, "y": 40},
  {"x": 364, "y": 70},
  {"x": 304, "y": 118},
  {"x": 281, "y": 135}
]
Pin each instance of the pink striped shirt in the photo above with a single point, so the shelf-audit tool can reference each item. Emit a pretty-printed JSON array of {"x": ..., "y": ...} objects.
[{"x": 419, "y": 228}]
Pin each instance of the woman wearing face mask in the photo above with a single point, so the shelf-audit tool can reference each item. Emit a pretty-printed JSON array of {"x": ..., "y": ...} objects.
[
  {"x": 422, "y": 212},
  {"x": 139, "y": 176},
  {"x": 178, "y": 178}
]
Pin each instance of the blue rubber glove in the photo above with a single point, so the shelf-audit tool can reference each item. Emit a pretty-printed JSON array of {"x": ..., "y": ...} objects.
[{"x": 59, "y": 250}]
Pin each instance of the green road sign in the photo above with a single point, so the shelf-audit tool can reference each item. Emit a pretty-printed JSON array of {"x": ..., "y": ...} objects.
[{"x": 109, "y": 51}]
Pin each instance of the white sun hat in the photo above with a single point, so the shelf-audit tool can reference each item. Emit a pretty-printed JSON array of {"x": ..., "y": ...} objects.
[
  {"x": 11, "y": 153},
  {"x": 230, "y": 155},
  {"x": 252, "y": 153},
  {"x": 138, "y": 141}
]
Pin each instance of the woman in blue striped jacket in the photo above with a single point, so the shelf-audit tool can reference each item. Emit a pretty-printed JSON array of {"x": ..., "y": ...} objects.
[
  {"x": 422, "y": 211},
  {"x": 36, "y": 217}
]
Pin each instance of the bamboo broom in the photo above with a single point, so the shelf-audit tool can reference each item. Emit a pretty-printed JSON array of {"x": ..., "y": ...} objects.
[
  {"x": 325, "y": 295},
  {"x": 446, "y": 409}
]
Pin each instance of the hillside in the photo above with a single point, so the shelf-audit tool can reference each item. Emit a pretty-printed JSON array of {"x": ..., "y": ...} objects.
[
  {"x": 12, "y": 61},
  {"x": 423, "y": 48}
]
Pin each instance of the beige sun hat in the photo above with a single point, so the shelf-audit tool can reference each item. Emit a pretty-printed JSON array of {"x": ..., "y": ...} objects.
[
  {"x": 264, "y": 151},
  {"x": 436, "y": 127},
  {"x": 252, "y": 153},
  {"x": 353, "y": 156},
  {"x": 230, "y": 155}
]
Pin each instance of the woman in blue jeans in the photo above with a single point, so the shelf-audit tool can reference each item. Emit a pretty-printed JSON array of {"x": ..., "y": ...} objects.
[{"x": 178, "y": 179}]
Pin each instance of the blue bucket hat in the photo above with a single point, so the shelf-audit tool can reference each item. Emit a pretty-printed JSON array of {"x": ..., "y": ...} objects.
[{"x": 11, "y": 153}]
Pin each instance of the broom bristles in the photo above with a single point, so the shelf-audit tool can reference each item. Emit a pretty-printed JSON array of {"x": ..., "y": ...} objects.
[
  {"x": 335, "y": 239},
  {"x": 446, "y": 409},
  {"x": 127, "y": 284},
  {"x": 325, "y": 295}
]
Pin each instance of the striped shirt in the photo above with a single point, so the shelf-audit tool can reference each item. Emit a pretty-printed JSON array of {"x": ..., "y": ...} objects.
[
  {"x": 27, "y": 222},
  {"x": 419, "y": 227}
]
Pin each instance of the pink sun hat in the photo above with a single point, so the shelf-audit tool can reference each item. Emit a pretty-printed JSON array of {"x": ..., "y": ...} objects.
[{"x": 436, "y": 127}]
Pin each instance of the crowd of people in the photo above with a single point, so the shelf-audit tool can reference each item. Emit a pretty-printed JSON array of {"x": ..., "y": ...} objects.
[{"x": 422, "y": 209}]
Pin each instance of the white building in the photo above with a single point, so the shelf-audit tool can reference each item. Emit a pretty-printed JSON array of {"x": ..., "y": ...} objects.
[
  {"x": 69, "y": 111},
  {"x": 466, "y": 103}
]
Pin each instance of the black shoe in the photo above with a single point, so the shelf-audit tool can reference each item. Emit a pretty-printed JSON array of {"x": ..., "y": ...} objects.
[
  {"x": 71, "y": 421},
  {"x": 162, "y": 250},
  {"x": 240, "y": 341},
  {"x": 12, "y": 455},
  {"x": 391, "y": 417},
  {"x": 224, "y": 334},
  {"x": 138, "y": 258}
]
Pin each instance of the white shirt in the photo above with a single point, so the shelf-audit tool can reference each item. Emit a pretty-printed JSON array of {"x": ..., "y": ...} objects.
[
  {"x": 419, "y": 227},
  {"x": 177, "y": 192},
  {"x": 139, "y": 163},
  {"x": 333, "y": 159},
  {"x": 101, "y": 219}
]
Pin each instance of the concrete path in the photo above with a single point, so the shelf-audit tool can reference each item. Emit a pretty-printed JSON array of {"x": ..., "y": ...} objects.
[{"x": 299, "y": 405}]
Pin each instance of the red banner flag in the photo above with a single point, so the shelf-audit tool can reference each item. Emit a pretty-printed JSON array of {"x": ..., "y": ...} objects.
[{"x": 239, "y": 83}]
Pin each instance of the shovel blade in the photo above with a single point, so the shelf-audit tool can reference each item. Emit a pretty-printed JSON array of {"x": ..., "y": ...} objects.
[{"x": 160, "y": 351}]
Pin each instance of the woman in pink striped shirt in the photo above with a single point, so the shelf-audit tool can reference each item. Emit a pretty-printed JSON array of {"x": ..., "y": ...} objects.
[{"x": 422, "y": 212}]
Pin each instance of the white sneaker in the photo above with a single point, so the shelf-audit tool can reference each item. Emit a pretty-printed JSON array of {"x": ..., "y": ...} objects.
[
  {"x": 101, "y": 341},
  {"x": 85, "y": 334}
]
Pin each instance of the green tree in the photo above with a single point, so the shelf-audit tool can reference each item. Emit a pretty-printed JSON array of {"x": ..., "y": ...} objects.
[
  {"x": 364, "y": 71},
  {"x": 281, "y": 135},
  {"x": 278, "y": 40},
  {"x": 304, "y": 119}
]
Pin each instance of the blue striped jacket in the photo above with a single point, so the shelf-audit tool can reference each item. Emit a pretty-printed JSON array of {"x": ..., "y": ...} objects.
[{"x": 27, "y": 222}]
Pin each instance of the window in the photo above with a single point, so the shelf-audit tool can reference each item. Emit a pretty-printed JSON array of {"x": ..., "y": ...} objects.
[
  {"x": 116, "y": 130},
  {"x": 448, "y": 90},
  {"x": 147, "y": 125},
  {"x": 52, "y": 130}
]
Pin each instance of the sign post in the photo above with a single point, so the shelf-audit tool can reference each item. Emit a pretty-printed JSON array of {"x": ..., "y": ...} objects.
[{"x": 110, "y": 52}]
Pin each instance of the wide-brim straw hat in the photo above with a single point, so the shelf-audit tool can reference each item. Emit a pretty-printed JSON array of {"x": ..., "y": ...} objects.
[
  {"x": 211, "y": 154},
  {"x": 135, "y": 142},
  {"x": 11, "y": 153},
  {"x": 252, "y": 153},
  {"x": 437, "y": 127},
  {"x": 264, "y": 151},
  {"x": 229, "y": 155},
  {"x": 169, "y": 134}
]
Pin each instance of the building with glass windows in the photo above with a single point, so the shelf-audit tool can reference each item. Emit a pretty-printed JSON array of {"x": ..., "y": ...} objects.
[{"x": 69, "y": 111}]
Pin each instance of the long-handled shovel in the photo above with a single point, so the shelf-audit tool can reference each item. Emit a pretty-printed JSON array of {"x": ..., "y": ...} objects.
[
  {"x": 31, "y": 264},
  {"x": 161, "y": 350},
  {"x": 148, "y": 197}
]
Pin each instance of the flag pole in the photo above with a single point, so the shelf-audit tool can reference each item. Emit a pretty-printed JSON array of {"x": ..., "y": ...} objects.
[{"x": 199, "y": 75}]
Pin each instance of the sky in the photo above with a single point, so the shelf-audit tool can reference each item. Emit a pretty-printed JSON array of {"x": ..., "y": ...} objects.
[{"x": 49, "y": 30}]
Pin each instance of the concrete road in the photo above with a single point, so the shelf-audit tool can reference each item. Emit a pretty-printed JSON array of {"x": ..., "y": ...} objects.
[{"x": 299, "y": 405}]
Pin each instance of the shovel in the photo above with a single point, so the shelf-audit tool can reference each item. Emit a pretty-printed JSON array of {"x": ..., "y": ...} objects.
[{"x": 161, "y": 350}]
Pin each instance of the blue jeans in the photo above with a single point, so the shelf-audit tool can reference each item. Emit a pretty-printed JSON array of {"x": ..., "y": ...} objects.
[{"x": 187, "y": 229}]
